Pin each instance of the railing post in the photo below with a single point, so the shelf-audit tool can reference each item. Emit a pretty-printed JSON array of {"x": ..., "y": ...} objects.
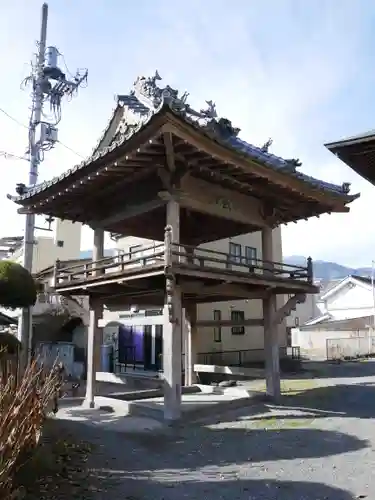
[
  {"x": 98, "y": 252},
  {"x": 168, "y": 247},
  {"x": 55, "y": 273},
  {"x": 310, "y": 277}
]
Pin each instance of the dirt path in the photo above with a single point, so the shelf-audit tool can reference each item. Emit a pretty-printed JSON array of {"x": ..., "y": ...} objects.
[{"x": 318, "y": 445}]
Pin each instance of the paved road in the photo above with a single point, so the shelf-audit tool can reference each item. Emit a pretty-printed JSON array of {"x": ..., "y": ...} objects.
[{"x": 320, "y": 445}]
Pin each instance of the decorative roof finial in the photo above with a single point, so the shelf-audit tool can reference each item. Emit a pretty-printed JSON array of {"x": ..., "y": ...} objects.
[
  {"x": 294, "y": 162},
  {"x": 210, "y": 112},
  {"x": 267, "y": 145}
]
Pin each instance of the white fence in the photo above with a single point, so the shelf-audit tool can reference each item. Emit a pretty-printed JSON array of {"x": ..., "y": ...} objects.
[{"x": 350, "y": 348}]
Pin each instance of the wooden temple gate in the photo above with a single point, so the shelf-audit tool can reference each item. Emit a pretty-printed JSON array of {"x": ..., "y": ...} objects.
[{"x": 165, "y": 172}]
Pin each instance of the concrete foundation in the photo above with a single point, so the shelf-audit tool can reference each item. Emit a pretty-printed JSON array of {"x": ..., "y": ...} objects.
[{"x": 196, "y": 402}]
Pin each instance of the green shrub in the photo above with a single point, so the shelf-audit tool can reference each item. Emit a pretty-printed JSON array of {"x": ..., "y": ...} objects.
[{"x": 17, "y": 286}]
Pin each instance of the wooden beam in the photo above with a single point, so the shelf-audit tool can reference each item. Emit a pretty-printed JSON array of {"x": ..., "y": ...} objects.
[
  {"x": 227, "y": 322},
  {"x": 224, "y": 289},
  {"x": 288, "y": 307},
  {"x": 186, "y": 132},
  {"x": 169, "y": 152},
  {"x": 212, "y": 171},
  {"x": 223, "y": 202},
  {"x": 127, "y": 213},
  {"x": 270, "y": 283}
]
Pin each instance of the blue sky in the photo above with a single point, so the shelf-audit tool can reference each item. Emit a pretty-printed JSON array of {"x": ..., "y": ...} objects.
[{"x": 300, "y": 72}]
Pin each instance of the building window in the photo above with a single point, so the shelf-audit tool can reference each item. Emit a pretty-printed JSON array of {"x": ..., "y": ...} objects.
[
  {"x": 60, "y": 243},
  {"x": 217, "y": 329},
  {"x": 250, "y": 256},
  {"x": 235, "y": 252},
  {"x": 154, "y": 312},
  {"x": 134, "y": 251},
  {"x": 238, "y": 316}
]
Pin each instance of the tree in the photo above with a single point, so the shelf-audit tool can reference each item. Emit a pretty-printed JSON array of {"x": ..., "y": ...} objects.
[{"x": 17, "y": 286}]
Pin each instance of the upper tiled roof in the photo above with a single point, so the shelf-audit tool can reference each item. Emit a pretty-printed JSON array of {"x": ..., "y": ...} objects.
[{"x": 148, "y": 99}]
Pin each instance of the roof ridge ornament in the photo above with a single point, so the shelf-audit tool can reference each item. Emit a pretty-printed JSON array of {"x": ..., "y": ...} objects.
[
  {"x": 223, "y": 127},
  {"x": 266, "y": 146},
  {"x": 295, "y": 162},
  {"x": 147, "y": 89}
]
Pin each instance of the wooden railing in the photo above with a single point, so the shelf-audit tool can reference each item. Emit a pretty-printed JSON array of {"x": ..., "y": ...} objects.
[
  {"x": 206, "y": 258},
  {"x": 171, "y": 254},
  {"x": 121, "y": 263}
]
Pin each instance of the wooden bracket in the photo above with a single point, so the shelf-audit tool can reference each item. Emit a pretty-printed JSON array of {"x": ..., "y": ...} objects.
[{"x": 288, "y": 307}]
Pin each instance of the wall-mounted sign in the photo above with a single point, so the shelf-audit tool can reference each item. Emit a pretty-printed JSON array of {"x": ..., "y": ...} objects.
[{"x": 224, "y": 203}]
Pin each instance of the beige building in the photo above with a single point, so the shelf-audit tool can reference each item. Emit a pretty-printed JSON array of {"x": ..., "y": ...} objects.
[{"x": 63, "y": 244}]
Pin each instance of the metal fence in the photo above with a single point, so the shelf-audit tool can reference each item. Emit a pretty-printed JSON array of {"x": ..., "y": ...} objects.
[
  {"x": 243, "y": 358},
  {"x": 350, "y": 348}
]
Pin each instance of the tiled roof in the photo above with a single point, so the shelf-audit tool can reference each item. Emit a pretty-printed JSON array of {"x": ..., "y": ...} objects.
[
  {"x": 148, "y": 99},
  {"x": 352, "y": 324}
]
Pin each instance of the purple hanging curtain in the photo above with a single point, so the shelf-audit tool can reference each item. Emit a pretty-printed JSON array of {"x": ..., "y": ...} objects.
[{"x": 138, "y": 332}]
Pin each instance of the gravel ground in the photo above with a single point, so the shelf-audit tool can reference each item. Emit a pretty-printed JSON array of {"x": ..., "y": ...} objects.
[{"x": 318, "y": 445}]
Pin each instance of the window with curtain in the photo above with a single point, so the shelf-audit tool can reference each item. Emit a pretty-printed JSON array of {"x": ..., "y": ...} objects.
[
  {"x": 235, "y": 252},
  {"x": 217, "y": 329},
  {"x": 238, "y": 316},
  {"x": 250, "y": 256}
]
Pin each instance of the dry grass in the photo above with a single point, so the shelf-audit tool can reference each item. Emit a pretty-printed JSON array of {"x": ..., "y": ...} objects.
[
  {"x": 290, "y": 387},
  {"x": 58, "y": 468},
  {"x": 23, "y": 410}
]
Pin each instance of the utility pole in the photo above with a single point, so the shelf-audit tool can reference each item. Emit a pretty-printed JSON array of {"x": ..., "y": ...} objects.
[
  {"x": 49, "y": 84},
  {"x": 25, "y": 321}
]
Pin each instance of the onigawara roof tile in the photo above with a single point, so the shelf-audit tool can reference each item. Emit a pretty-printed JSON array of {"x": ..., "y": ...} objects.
[{"x": 134, "y": 110}]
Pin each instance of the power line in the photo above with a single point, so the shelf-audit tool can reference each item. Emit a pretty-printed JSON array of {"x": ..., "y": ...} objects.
[
  {"x": 14, "y": 119},
  {"x": 11, "y": 156},
  {"x": 25, "y": 126},
  {"x": 70, "y": 149}
]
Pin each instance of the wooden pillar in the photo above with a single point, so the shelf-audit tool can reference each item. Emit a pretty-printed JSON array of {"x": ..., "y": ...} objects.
[
  {"x": 190, "y": 343},
  {"x": 95, "y": 334},
  {"x": 94, "y": 342},
  {"x": 98, "y": 254},
  {"x": 271, "y": 341},
  {"x": 172, "y": 322}
]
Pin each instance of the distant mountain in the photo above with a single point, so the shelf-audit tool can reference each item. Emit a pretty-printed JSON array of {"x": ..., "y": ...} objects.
[
  {"x": 328, "y": 270},
  {"x": 87, "y": 254}
]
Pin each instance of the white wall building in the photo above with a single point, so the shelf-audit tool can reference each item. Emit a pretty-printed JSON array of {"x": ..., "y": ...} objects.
[{"x": 340, "y": 308}]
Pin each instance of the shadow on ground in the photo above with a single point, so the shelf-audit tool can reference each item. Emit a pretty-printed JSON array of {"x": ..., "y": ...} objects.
[
  {"x": 344, "y": 369},
  {"x": 194, "y": 446},
  {"x": 344, "y": 401},
  {"x": 198, "y": 462},
  {"x": 224, "y": 489}
]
